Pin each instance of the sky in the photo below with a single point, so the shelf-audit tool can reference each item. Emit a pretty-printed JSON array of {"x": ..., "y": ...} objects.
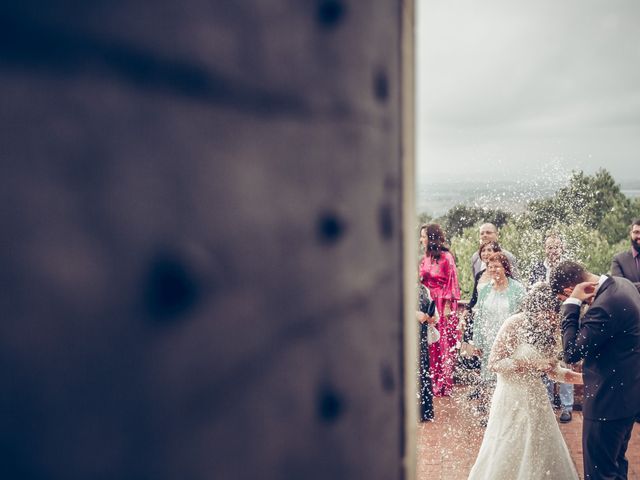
[{"x": 514, "y": 89}]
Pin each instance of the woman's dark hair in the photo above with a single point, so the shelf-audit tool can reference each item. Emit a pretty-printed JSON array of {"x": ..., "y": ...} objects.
[
  {"x": 540, "y": 300},
  {"x": 495, "y": 245},
  {"x": 504, "y": 261},
  {"x": 436, "y": 240}
]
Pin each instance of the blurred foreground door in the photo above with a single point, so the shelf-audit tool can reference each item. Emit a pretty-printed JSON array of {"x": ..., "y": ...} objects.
[{"x": 202, "y": 237}]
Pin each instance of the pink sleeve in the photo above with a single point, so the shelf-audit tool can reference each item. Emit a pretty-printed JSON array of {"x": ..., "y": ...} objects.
[
  {"x": 451, "y": 289},
  {"x": 422, "y": 271}
]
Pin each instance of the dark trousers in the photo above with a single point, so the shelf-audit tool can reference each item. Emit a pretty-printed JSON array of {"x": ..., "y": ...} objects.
[
  {"x": 424, "y": 378},
  {"x": 604, "y": 445}
]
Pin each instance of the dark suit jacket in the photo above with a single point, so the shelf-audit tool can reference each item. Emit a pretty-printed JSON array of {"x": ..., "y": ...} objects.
[
  {"x": 467, "y": 335},
  {"x": 474, "y": 295},
  {"x": 538, "y": 273},
  {"x": 608, "y": 339},
  {"x": 624, "y": 265}
]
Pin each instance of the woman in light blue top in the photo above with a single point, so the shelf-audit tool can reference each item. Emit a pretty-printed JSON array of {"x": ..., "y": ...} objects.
[{"x": 497, "y": 301}]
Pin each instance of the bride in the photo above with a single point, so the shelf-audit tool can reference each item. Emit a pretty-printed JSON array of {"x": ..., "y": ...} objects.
[{"x": 522, "y": 440}]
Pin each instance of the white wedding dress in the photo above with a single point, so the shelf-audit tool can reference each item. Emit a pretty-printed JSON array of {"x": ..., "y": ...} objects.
[{"x": 522, "y": 440}]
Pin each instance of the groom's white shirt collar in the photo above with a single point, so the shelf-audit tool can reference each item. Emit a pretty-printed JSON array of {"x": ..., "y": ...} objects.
[{"x": 575, "y": 301}]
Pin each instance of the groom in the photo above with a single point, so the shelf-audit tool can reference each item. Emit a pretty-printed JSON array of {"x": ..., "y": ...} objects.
[{"x": 607, "y": 337}]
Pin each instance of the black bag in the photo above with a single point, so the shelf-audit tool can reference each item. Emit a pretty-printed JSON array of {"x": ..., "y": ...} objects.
[{"x": 428, "y": 308}]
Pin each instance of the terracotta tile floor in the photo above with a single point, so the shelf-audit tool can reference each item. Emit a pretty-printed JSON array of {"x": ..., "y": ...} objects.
[{"x": 447, "y": 447}]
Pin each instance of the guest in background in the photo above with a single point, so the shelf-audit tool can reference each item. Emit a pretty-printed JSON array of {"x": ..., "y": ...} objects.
[
  {"x": 497, "y": 301},
  {"x": 481, "y": 279},
  {"x": 438, "y": 273},
  {"x": 425, "y": 392},
  {"x": 627, "y": 264},
  {"x": 553, "y": 255},
  {"x": 553, "y": 251},
  {"x": 489, "y": 233}
]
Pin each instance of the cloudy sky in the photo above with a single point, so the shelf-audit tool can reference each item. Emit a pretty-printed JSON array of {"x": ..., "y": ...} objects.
[{"x": 512, "y": 88}]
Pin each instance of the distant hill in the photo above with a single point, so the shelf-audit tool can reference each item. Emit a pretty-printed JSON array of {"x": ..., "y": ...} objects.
[{"x": 436, "y": 198}]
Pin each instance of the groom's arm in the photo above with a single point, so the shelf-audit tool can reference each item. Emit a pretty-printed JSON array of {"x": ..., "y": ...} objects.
[{"x": 583, "y": 339}]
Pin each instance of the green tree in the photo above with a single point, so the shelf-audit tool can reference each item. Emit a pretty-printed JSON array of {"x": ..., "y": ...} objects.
[
  {"x": 424, "y": 218},
  {"x": 463, "y": 247},
  {"x": 525, "y": 241},
  {"x": 591, "y": 214},
  {"x": 596, "y": 201}
]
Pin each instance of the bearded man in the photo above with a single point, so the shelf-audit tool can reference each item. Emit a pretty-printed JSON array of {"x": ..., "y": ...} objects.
[{"x": 627, "y": 264}]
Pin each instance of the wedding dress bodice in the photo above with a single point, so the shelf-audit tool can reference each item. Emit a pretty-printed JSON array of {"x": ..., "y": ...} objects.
[{"x": 524, "y": 351}]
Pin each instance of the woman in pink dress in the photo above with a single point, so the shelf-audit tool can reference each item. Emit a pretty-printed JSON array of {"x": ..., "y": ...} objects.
[{"x": 438, "y": 273}]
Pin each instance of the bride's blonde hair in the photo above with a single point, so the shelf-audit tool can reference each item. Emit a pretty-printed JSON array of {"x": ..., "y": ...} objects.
[{"x": 540, "y": 300}]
